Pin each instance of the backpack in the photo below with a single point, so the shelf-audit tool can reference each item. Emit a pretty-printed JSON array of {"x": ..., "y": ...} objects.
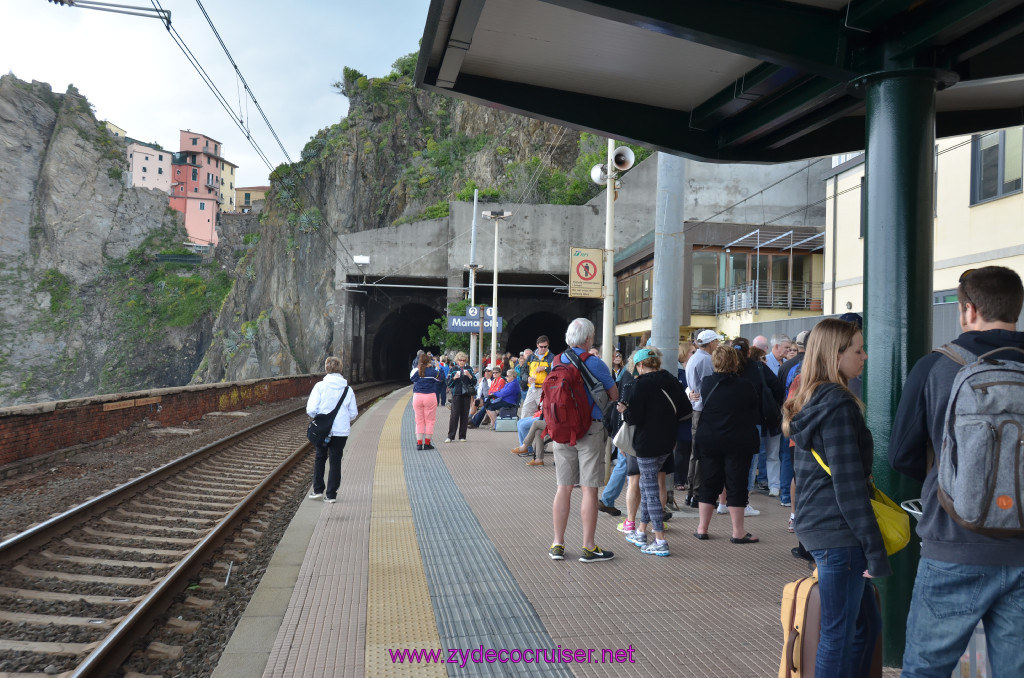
[
  {"x": 320, "y": 427},
  {"x": 979, "y": 466},
  {"x": 567, "y": 412}
]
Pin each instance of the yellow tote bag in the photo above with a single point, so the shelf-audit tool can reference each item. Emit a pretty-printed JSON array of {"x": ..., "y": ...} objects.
[{"x": 893, "y": 521}]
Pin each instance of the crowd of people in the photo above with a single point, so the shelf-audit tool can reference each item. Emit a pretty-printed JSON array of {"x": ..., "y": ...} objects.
[{"x": 781, "y": 416}]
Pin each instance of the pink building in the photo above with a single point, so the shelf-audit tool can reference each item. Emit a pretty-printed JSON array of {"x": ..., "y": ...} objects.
[{"x": 195, "y": 186}]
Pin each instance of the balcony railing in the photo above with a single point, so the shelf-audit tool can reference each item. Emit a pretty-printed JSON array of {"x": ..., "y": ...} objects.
[{"x": 804, "y": 296}]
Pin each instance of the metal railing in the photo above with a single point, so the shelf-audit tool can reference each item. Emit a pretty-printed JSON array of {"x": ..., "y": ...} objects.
[{"x": 795, "y": 295}]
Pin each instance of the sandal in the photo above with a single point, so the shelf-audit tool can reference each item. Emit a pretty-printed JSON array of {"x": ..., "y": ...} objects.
[
  {"x": 745, "y": 539},
  {"x": 701, "y": 535}
]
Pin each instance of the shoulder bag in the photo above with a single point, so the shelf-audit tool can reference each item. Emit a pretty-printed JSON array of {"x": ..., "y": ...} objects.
[
  {"x": 893, "y": 521},
  {"x": 320, "y": 427},
  {"x": 624, "y": 436}
]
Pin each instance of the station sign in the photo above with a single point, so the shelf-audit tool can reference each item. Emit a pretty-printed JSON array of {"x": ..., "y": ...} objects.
[
  {"x": 586, "y": 278},
  {"x": 466, "y": 323}
]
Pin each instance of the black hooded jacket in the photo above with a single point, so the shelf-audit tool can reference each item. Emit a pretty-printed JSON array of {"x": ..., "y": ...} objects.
[{"x": 652, "y": 413}]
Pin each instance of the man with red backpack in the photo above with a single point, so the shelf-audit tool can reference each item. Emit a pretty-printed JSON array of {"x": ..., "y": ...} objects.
[{"x": 576, "y": 391}]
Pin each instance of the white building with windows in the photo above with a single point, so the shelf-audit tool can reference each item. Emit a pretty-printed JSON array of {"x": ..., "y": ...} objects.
[
  {"x": 978, "y": 209},
  {"x": 149, "y": 166}
]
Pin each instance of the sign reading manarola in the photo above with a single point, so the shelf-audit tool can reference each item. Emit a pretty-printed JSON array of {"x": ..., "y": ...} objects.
[{"x": 585, "y": 272}]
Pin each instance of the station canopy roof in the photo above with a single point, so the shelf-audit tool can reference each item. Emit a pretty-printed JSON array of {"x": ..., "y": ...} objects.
[{"x": 725, "y": 80}]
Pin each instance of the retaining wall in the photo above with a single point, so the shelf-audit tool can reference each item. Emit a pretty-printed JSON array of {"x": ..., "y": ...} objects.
[{"x": 31, "y": 430}]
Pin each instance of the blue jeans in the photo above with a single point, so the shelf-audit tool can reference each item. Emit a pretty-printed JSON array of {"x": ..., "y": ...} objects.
[
  {"x": 786, "y": 471},
  {"x": 949, "y": 601},
  {"x": 523, "y": 427},
  {"x": 615, "y": 481},
  {"x": 850, "y": 619}
]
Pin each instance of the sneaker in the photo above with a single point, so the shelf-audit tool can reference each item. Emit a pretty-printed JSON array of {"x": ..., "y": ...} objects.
[
  {"x": 429, "y": 446},
  {"x": 610, "y": 510},
  {"x": 626, "y": 526},
  {"x": 447, "y": 440},
  {"x": 636, "y": 538},
  {"x": 557, "y": 552},
  {"x": 315, "y": 495},
  {"x": 789, "y": 528},
  {"x": 786, "y": 504},
  {"x": 723, "y": 509},
  {"x": 655, "y": 549},
  {"x": 535, "y": 462},
  {"x": 750, "y": 512},
  {"x": 331, "y": 500},
  {"x": 774, "y": 492},
  {"x": 419, "y": 446},
  {"x": 595, "y": 555}
]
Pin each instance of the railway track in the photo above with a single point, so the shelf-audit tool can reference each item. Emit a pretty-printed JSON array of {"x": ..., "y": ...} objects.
[{"x": 79, "y": 590}]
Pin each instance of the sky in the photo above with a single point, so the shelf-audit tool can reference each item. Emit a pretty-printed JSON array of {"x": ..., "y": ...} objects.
[{"x": 288, "y": 51}]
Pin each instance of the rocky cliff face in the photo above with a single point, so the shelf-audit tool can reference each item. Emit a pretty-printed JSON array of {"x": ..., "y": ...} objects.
[
  {"x": 400, "y": 155},
  {"x": 90, "y": 309},
  {"x": 77, "y": 260}
]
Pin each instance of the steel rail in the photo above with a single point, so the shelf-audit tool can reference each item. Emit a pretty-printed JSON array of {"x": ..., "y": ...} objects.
[{"x": 115, "y": 648}]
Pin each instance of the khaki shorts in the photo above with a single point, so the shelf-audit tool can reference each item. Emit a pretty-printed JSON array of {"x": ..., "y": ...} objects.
[{"x": 584, "y": 463}]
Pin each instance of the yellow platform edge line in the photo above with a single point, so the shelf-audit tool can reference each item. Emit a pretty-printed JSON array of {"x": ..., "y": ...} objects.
[{"x": 399, "y": 612}]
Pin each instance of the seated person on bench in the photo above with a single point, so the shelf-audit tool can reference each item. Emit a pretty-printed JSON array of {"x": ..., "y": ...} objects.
[{"x": 507, "y": 397}]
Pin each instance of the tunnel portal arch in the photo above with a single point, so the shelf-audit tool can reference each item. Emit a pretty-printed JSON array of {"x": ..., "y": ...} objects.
[
  {"x": 524, "y": 334},
  {"x": 398, "y": 338}
]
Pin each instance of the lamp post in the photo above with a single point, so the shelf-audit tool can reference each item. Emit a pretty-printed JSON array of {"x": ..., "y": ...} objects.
[
  {"x": 495, "y": 216},
  {"x": 620, "y": 159}
]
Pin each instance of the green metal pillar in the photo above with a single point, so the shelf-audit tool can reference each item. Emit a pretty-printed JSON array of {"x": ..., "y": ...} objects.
[{"x": 900, "y": 166}]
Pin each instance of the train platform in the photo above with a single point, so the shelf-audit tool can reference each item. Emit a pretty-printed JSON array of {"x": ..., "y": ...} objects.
[{"x": 447, "y": 550}]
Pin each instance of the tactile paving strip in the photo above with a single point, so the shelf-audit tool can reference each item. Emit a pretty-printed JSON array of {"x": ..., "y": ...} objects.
[
  {"x": 476, "y": 599},
  {"x": 399, "y": 613}
]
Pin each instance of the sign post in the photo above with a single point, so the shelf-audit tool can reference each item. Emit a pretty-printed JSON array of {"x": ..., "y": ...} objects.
[{"x": 586, "y": 272}]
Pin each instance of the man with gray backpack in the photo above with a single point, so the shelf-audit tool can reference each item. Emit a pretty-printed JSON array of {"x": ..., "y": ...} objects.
[{"x": 960, "y": 429}]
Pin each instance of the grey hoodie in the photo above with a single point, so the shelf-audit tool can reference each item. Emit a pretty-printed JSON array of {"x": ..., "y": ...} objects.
[{"x": 833, "y": 512}]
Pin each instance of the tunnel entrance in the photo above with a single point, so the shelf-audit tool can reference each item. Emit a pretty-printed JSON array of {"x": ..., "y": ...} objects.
[
  {"x": 524, "y": 334},
  {"x": 398, "y": 339}
]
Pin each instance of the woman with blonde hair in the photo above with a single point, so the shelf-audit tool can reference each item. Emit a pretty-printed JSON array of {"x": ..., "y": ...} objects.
[
  {"x": 727, "y": 440},
  {"x": 834, "y": 519}
]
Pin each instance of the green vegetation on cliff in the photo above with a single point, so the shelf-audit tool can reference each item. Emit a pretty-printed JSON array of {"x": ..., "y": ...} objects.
[{"x": 420, "y": 160}]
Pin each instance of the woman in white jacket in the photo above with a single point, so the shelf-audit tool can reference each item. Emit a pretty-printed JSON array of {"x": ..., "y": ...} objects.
[{"x": 322, "y": 400}]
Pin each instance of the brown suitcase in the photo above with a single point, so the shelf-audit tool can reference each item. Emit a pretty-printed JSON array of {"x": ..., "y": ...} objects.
[{"x": 801, "y": 626}]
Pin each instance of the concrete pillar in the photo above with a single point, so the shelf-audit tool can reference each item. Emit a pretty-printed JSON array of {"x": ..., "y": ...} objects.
[
  {"x": 669, "y": 246},
  {"x": 898, "y": 254}
]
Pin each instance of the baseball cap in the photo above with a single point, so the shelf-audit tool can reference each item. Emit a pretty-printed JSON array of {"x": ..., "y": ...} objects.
[
  {"x": 644, "y": 354},
  {"x": 707, "y": 336},
  {"x": 852, "y": 318},
  {"x": 801, "y": 339}
]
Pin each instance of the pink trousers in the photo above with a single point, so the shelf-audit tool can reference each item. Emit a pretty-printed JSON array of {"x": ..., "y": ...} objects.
[{"x": 425, "y": 407}]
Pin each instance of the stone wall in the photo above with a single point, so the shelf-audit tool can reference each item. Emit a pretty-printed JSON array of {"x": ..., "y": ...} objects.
[{"x": 30, "y": 430}]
